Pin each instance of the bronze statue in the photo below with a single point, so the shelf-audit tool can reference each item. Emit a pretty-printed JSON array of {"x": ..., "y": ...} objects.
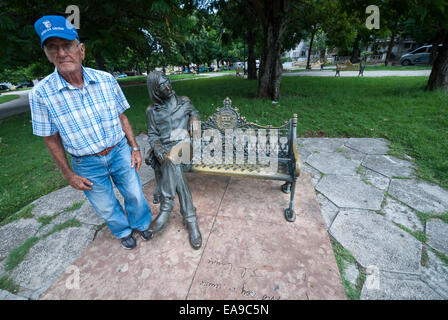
[{"x": 168, "y": 113}]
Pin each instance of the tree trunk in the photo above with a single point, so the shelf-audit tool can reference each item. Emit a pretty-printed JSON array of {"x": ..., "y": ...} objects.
[
  {"x": 270, "y": 65},
  {"x": 439, "y": 72},
  {"x": 99, "y": 60},
  {"x": 251, "y": 59},
  {"x": 355, "y": 53},
  {"x": 391, "y": 45},
  {"x": 308, "y": 61}
]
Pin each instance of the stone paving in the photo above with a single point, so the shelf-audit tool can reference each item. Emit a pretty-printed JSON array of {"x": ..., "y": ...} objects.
[
  {"x": 372, "y": 205},
  {"x": 391, "y": 223}
]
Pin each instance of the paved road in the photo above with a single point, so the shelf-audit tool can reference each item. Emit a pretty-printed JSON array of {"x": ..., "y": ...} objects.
[
  {"x": 382, "y": 73},
  {"x": 15, "y": 106}
]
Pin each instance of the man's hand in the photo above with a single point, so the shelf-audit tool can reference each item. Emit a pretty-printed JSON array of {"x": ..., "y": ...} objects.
[
  {"x": 79, "y": 183},
  {"x": 136, "y": 159}
]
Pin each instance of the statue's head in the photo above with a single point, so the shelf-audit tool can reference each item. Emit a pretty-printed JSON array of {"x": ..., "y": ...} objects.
[{"x": 159, "y": 87}]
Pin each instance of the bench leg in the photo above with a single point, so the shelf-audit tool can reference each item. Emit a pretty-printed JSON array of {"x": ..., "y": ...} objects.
[
  {"x": 290, "y": 214},
  {"x": 286, "y": 188}
]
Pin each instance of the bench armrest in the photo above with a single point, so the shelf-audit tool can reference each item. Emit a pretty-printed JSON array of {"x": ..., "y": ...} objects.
[{"x": 295, "y": 149}]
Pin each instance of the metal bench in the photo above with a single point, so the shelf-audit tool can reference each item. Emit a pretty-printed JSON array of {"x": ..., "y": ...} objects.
[
  {"x": 281, "y": 141},
  {"x": 348, "y": 66}
]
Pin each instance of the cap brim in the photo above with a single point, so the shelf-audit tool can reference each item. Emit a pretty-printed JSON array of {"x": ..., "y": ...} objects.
[{"x": 56, "y": 34}]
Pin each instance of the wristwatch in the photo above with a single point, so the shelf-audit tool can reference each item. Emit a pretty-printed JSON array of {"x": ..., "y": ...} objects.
[{"x": 135, "y": 149}]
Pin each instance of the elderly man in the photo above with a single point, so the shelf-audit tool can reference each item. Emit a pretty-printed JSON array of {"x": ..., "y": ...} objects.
[
  {"x": 168, "y": 117},
  {"x": 81, "y": 110}
]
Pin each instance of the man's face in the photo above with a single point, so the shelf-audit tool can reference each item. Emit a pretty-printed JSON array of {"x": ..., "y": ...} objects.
[
  {"x": 164, "y": 88},
  {"x": 66, "y": 55}
]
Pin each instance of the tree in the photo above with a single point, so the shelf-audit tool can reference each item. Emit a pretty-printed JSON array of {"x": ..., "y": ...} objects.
[
  {"x": 108, "y": 28},
  {"x": 240, "y": 24},
  {"x": 274, "y": 17},
  {"x": 435, "y": 13}
]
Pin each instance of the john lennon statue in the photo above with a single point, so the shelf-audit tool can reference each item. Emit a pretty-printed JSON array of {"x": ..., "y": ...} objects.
[{"x": 168, "y": 115}]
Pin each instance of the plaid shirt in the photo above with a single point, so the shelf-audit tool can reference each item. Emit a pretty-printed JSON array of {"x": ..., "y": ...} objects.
[{"x": 87, "y": 119}]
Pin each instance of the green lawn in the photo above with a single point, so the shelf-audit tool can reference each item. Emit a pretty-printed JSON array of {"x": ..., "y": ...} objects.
[
  {"x": 142, "y": 79},
  {"x": 395, "y": 108},
  {"x": 8, "y": 97}
]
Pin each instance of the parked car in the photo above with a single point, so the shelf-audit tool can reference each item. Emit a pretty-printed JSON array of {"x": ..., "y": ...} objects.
[
  {"x": 122, "y": 75},
  {"x": 25, "y": 84},
  {"x": 3, "y": 87},
  {"x": 7, "y": 84},
  {"x": 418, "y": 56}
]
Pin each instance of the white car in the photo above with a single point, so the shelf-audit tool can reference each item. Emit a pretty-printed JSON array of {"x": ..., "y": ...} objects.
[{"x": 418, "y": 56}]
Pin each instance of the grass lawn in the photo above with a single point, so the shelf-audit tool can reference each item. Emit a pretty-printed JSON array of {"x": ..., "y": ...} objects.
[
  {"x": 142, "y": 79},
  {"x": 8, "y": 97},
  {"x": 395, "y": 108}
]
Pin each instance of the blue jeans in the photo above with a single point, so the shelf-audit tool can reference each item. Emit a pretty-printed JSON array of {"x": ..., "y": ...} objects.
[{"x": 116, "y": 165}]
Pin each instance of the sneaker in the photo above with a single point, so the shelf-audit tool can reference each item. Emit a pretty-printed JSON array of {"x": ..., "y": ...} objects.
[
  {"x": 146, "y": 235},
  {"x": 128, "y": 242}
]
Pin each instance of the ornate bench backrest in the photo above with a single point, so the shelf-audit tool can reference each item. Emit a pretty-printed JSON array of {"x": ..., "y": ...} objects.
[{"x": 228, "y": 118}]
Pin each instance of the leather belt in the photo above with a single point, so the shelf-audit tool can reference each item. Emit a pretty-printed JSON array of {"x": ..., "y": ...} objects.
[{"x": 105, "y": 151}]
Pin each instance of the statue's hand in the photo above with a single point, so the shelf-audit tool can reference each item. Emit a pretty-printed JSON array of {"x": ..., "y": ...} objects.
[
  {"x": 190, "y": 125},
  {"x": 159, "y": 152},
  {"x": 160, "y": 156}
]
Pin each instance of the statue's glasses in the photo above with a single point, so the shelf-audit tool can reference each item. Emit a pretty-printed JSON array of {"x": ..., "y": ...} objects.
[{"x": 163, "y": 84}]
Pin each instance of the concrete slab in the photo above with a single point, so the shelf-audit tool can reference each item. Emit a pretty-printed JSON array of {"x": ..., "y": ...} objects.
[
  {"x": 401, "y": 214},
  {"x": 5, "y": 295},
  {"x": 269, "y": 257},
  {"x": 295, "y": 261},
  {"x": 332, "y": 163},
  {"x": 57, "y": 201},
  {"x": 377, "y": 180},
  {"x": 268, "y": 202},
  {"x": 368, "y": 145},
  {"x": 389, "y": 166},
  {"x": 161, "y": 268},
  {"x": 315, "y": 174},
  {"x": 350, "y": 192},
  {"x": 375, "y": 241},
  {"x": 351, "y": 274},
  {"x": 328, "y": 209},
  {"x": 435, "y": 274},
  {"x": 397, "y": 289},
  {"x": 315, "y": 145},
  {"x": 437, "y": 232},
  {"x": 420, "y": 195},
  {"x": 48, "y": 259},
  {"x": 351, "y": 154},
  {"x": 15, "y": 233}
]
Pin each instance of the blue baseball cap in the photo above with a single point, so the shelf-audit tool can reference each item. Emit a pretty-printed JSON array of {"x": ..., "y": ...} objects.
[{"x": 55, "y": 26}]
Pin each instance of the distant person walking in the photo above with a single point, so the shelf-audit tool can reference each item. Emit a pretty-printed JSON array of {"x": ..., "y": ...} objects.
[{"x": 81, "y": 110}]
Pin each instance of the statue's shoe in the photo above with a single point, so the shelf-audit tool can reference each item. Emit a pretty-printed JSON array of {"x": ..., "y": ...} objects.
[
  {"x": 159, "y": 222},
  {"x": 194, "y": 235}
]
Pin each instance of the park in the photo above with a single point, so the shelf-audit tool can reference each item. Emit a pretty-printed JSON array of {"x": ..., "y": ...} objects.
[{"x": 357, "y": 208}]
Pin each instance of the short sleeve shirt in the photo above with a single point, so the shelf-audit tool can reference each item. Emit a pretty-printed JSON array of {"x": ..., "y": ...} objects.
[{"x": 87, "y": 119}]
